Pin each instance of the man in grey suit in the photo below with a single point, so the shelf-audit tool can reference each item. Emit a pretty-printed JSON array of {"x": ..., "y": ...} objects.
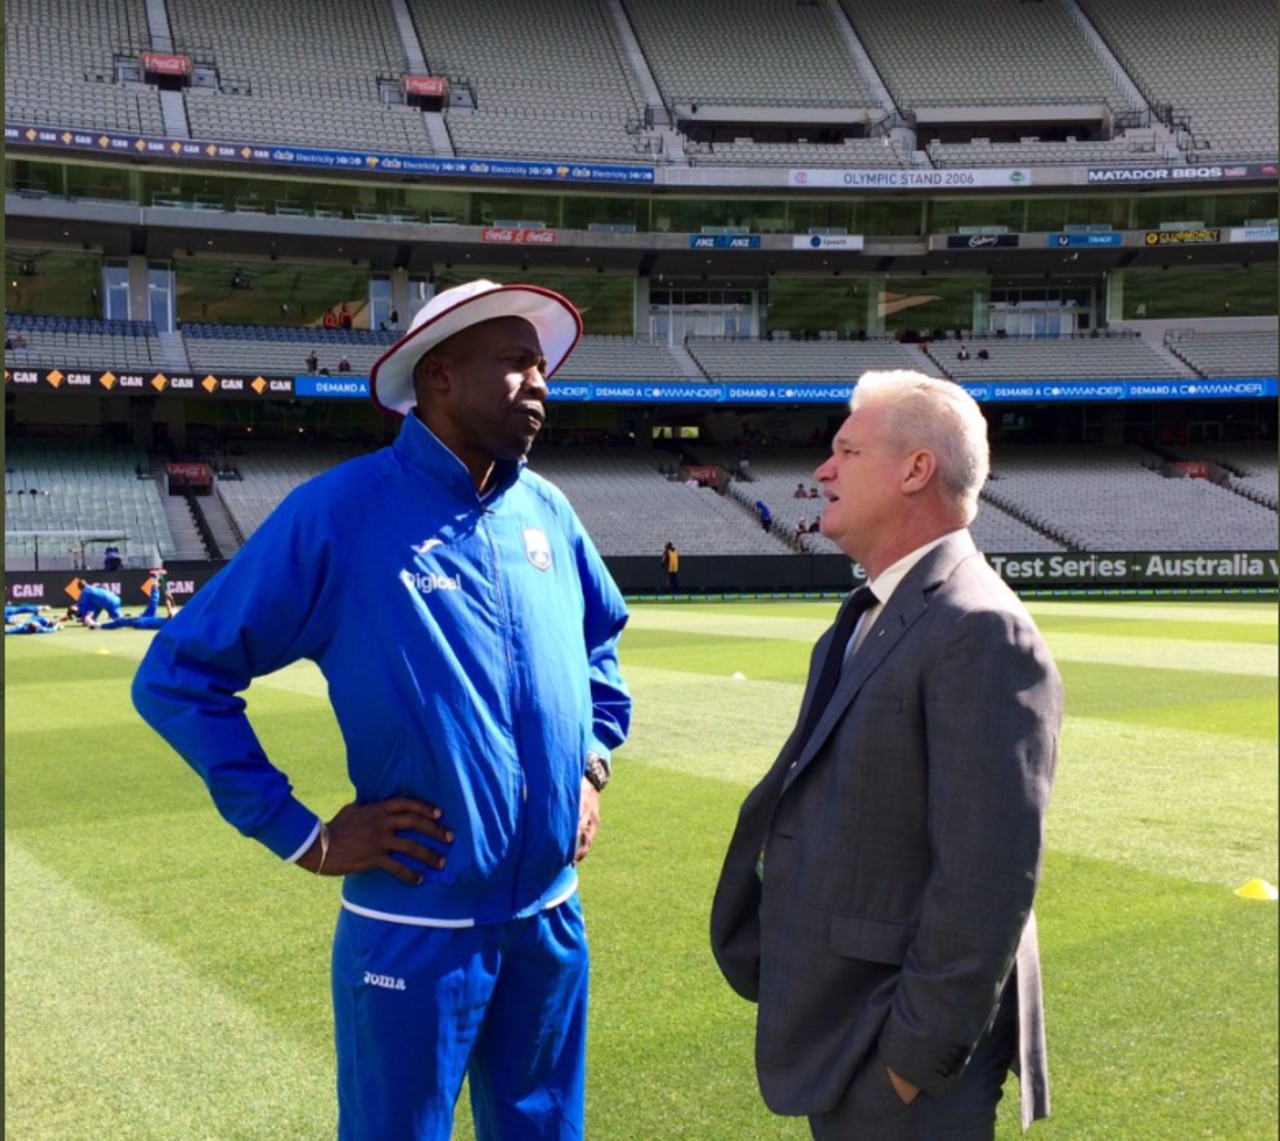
[{"x": 876, "y": 896}]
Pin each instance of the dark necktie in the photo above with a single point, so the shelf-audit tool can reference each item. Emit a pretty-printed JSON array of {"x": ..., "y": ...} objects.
[{"x": 857, "y": 604}]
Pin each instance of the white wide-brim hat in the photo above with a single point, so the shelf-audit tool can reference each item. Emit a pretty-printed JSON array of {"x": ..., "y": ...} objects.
[{"x": 558, "y": 324}]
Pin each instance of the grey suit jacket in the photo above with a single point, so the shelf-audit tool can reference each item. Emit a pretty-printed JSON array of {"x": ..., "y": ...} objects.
[{"x": 902, "y": 845}]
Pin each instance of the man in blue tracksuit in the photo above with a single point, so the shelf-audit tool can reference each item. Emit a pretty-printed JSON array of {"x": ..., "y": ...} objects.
[
  {"x": 31, "y": 623},
  {"x": 157, "y": 591},
  {"x": 93, "y": 601},
  {"x": 479, "y": 700},
  {"x": 150, "y": 618}
]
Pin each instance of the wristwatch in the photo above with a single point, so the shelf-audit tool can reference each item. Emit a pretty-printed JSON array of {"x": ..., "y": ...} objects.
[{"x": 598, "y": 771}]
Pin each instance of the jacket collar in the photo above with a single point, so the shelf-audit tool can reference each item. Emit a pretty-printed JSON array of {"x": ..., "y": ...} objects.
[
  {"x": 909, "y": 601},
  {"x": 418, "y": 448}
]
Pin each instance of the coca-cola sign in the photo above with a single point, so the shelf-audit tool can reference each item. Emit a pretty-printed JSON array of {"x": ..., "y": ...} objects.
[
  {"x": 429, "y": 85},
  {"x": 165, "y": 63},
  {"x": 507, "y": 235}
]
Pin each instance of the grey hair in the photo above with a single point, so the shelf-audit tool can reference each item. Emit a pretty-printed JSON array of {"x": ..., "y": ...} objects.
[{"x": 939, "y": 416}]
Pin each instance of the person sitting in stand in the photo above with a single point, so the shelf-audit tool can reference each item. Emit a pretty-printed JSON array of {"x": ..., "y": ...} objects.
[
  {"x": 963, "y": 354},
  {"x": 344, "y": 365},
  {"x": 800, "y": 492},
  {"x": 313, "y": 361},
  {"x": 983, "y": 355},
  {"x": 813, "y": 492}
]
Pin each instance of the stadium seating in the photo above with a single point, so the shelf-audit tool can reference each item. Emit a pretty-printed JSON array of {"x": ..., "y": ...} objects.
[
  {"x": 700, "y": 54},
  {"x": 59, "y": 65},
  {"x": 306, "y": 74},
  {"x": 80, "y": 488},
  {"x": 268, "y": 472},
  {"x": 254, "y": 348},
  {"x": 1077, "y": 358},
  {"x": 531, "y": 97},
  {"x": 982, "y": 52},
  {"x": 1035, "y": 152},
  {"x": 1251, "y": 469},
  {"x": 749, "y": 53},
  {"x": 82, "y": 342},
  {"x": 358, "y": 126},
  {"x": 92, "y": 343},
  {"x": 775, "y": 472},
  {"x": 266, "y": 69},
  {"x": 1229, "y": 354},
  {"x": 1113, "y": 498},
  {"x": 1222, "y": 81},
  {"x": 630, "y": 509},
  {"x": 621, "y": 358},
  {"x": 76, "y": 342},
  {"x": 282, "y": 349},
  {"x": 1038, "y": 499},
  {"x": 800, "y": 362}
]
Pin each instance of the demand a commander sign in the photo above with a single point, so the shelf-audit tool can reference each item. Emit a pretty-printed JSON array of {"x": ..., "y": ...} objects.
[{"x": 1139, "y": 568}]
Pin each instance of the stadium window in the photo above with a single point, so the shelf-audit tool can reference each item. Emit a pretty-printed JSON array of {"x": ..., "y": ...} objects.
[{"x": 115, "y": 291}]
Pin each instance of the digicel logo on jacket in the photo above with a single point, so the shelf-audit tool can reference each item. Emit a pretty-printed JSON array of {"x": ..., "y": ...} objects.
[{"x": 428, "y": 582}]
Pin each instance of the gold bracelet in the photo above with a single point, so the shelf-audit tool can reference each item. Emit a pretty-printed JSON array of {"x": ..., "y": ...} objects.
[{"x": 324, "y": 847}]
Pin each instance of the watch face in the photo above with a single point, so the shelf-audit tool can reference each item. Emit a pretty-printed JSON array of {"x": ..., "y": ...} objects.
[{"x": 597, "y": 771}]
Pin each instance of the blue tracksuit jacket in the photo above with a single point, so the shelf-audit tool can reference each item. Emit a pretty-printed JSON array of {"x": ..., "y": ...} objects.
[
  {"x": 94, "y": 600},
  {"x": 470, "y": 649}
]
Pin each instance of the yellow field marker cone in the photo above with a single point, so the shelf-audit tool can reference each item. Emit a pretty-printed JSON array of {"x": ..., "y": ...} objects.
[
  {"x": 104, "y": 650},
  {"x": 1257, "y": 889}
]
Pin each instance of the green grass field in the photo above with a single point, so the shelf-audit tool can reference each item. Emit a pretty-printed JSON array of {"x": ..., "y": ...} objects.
[{"x": 166, "y": 980}]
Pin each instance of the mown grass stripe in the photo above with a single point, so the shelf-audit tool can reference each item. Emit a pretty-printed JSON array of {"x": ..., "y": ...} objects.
[
  {"x": 108, "y": 1035},
  {"x": 1248, "y": 660},
  {"x": 1198, "y": 806}
]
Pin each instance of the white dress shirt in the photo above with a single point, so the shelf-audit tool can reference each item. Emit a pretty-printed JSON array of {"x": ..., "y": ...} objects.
[{"x": 883, "y": 586}]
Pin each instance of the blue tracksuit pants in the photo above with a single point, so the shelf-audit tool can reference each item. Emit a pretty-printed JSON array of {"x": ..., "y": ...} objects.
[{"x": 418, "y": 1008}]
